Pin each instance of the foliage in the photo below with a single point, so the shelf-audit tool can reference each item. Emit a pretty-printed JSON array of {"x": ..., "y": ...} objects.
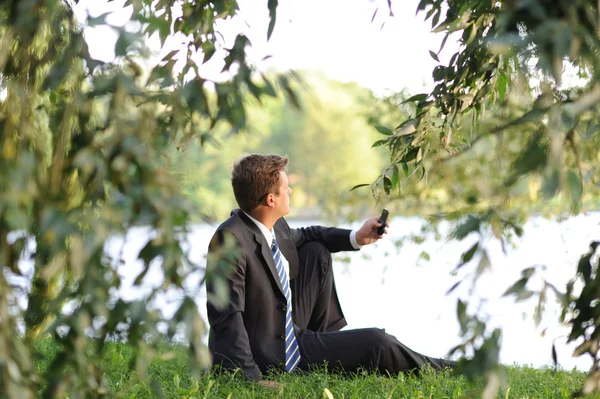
[
  {"x": 171, "y": 372},
  {"x": 511, "y": 126},
  {"x": 78, "y": 171},
  {"x": 327, "y": 141}
]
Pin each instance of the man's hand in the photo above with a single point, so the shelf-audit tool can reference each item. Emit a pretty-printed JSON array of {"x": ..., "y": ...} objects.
[
  {"x": 367, "y": 234},
  {"x": 270, "y": 384}
]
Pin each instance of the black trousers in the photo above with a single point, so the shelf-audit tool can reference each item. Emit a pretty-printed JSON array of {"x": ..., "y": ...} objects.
[{"x": 318, "y": 318}]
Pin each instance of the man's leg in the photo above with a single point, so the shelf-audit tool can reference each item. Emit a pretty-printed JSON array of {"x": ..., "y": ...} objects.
[
  {"x": 315, "y": 302},
  {"x": 369, "y": 348}
]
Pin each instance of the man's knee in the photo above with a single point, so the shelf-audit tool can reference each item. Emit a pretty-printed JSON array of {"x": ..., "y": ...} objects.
[{"x": 379, "y": 339}]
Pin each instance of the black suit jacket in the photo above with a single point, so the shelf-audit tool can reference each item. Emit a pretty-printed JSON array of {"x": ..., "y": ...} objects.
[{"x": 248, "y": 331}]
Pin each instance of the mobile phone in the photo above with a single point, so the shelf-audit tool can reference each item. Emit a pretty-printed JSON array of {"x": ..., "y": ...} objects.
[{"x": 383, "y": 221}]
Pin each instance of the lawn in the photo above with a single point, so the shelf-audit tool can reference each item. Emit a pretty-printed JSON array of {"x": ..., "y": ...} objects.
[{"x": 171, "y": 377}]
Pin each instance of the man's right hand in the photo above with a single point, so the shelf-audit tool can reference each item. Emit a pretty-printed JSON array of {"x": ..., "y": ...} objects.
[
  {"x": 270, "y": 384},
  {"x": 367, "y": 234}
]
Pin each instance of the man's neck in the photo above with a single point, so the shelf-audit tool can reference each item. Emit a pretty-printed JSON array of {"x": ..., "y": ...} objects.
[{"x": 265, "y": 217}]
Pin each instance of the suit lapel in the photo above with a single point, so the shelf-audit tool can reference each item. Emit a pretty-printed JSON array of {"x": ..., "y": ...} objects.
[
  {"x": 288, "y": 249},
  {"x": 285, "y": 243}
]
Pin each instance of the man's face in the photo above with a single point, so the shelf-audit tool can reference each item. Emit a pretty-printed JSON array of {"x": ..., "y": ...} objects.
[{"x": 282, "y": 201}]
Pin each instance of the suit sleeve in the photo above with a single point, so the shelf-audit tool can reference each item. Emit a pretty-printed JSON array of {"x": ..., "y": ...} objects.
[
  {"x": 334, "y": 239},
  {"x": 225, "y": 277}
]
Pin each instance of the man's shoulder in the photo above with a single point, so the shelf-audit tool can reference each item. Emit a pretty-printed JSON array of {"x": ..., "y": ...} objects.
[
  {"x": 235, "y": 224},
  {"x": 282, "y": 224}
]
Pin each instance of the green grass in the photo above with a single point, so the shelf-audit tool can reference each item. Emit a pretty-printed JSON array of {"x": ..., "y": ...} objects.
[{"x": 172, "y": 378}]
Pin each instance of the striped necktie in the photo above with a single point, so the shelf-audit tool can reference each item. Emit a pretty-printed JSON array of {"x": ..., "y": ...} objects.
[{"x": 292, "y": 353}]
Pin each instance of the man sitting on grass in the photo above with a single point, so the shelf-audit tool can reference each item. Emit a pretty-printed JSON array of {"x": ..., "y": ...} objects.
[{"x": 283, "y": 310}]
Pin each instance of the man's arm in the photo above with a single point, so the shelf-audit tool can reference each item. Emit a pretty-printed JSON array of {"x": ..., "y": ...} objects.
[
  {"x": 225, "y": 276},
  {"x": 338, "y": 239},
  {"x": 334, "y": 239}
]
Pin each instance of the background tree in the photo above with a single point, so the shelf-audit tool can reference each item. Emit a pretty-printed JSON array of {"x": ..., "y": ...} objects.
[
  {"x": 77, "y": 170},
  {"x": 510, "y": 127},
  {"x": 327, "y": 140}
]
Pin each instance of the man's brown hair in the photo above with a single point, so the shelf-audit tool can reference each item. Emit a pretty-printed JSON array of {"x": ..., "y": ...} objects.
[{"x": 254, "y": 176}]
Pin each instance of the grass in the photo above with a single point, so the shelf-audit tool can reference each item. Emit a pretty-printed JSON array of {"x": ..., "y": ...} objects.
[{"x": 172, "y": 378}]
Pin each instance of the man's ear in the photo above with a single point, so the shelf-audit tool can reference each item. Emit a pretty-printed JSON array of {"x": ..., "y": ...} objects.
[{"x": 270, "y": 200}]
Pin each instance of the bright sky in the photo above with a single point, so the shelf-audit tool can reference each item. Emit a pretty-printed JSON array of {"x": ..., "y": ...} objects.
[{"x": 333, "y": 36}]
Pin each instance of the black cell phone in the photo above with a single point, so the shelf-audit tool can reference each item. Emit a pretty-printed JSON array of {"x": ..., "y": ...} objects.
[{"x": 383, "y": 221}]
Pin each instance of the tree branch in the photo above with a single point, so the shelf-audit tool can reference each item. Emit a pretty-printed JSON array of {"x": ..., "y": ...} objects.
[{"x": 529, "y": 116}]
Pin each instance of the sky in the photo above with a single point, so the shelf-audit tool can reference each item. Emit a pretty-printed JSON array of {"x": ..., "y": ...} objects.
[{"x": 335, "y": 37}]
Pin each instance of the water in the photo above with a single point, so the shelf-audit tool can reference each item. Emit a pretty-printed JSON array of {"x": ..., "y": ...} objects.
[{"x": 395, "y": 288}]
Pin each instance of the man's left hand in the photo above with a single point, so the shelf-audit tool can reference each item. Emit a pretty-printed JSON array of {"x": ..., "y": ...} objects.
[{"x": 367, "y": 234}]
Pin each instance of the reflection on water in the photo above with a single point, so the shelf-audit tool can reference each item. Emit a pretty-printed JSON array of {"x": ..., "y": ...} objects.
[{"x": 393, "y": 287}]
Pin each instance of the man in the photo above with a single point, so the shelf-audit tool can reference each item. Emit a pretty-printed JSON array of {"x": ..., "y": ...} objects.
[{"x": 283, "y": 309}]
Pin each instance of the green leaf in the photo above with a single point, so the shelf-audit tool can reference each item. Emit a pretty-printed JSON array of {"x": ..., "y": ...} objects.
[
  {"x": 441, "y": 27},
  {"x": 359, "y": 185},
  {"x": 423, "y": 174},
  {"x": 416, "y": 98},
  {"x": 484, "y": 263},
  {"x": 434, "y": 56},
  {"x": 380, "y": 143},
  {"x": 423, "y": 4},
  {"x": 472, "y": 33},
  {"x": 384, "y": 130},
  {"x": 444, "y": 43},
  {"x": 467, "y": 100},
  {"x": 517, "y": 287},
  {"x": 169, "y": 56},
  {"x": 269, "y": 89},
  {"x": 528, "y": 272},
  {"x": 524, "y": 295},
  {"x": 208, "y": 50},
  {"x": 470, "y": 225},
  {"x": 411, "y": 154},
  {"x": 291, "y": 95},
  {"x": 123, "y": 42},
  {"x": 430, "y": 13},
  {"x": 395, "y": 177},
  {"x": 387, "y": 185},
  {"x": 407, "y": 127},
  {"x": 501, "y": 85},
  {"x": 436, "y": 19},
  {"x": 467, "y": 255},
  {"x": 461, "y": 314},
  {"x": 272, "y": 5},
  {"x": 405, "y": 169}
]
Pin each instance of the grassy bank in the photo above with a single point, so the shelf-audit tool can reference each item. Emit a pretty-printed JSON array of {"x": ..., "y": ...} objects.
[{"x": 175, "y": 380}]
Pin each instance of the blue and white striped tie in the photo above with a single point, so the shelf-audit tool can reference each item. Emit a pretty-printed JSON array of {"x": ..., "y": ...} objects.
[{"x": 292, "y": 353}]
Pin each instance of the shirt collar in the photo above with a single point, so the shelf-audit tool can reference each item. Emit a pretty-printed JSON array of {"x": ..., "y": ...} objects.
[{"x": 269, "y": 235}]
